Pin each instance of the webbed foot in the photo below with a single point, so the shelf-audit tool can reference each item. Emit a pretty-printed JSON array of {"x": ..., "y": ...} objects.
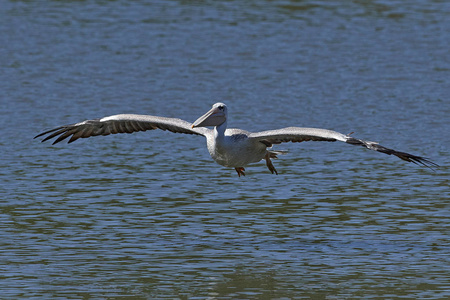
[
  {"x": 269, "y": 163},
  {"x": 240, "y": 171}
]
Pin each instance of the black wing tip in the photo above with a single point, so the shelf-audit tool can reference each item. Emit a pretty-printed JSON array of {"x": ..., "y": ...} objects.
[
  {"x": 425, "y": 162},
  {"x": 46, "y": 132},
  {"x": 40, "y": 134},
  {"x": 51, "y": 134},
  {"x": 418, "y": 160}
]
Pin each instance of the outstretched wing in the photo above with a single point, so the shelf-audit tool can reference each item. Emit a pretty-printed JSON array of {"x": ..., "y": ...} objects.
[
  {"x": 300, "y": 134},
  {"x": 124, "y": 123}
]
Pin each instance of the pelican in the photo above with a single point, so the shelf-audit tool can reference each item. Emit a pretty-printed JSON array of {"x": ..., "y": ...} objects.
[{"x": 233, "y": 148}]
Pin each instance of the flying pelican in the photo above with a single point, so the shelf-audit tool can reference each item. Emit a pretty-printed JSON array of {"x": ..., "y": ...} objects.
[{"x": 234, "y": 148}]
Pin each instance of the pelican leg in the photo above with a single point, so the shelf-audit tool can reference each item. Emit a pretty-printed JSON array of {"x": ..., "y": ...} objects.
[
  {"x": 240, "y": 171},
  {"x": 269, "y": 163}
]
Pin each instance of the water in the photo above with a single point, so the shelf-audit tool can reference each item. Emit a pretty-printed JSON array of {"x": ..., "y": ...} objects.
[{"x": 151, "y": 216}]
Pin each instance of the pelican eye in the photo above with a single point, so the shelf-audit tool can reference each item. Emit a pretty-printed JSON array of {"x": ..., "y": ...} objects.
[{"x": 221, "y": 107}]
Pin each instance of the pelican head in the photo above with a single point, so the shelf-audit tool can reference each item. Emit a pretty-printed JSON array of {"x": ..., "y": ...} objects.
[{"x": 216, "y": 116}]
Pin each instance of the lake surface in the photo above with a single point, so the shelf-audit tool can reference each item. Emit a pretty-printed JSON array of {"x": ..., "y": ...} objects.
[{"x": 151, "y": 216}]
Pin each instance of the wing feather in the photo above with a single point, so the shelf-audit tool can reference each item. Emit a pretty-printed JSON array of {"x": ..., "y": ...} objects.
[
  {"x": 296, "y": 135},
  {"x": 301, "y": 134},
  {"x": 124, "y": 123}
]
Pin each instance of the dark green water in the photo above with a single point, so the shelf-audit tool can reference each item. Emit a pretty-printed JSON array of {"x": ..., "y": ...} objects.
[{"x": 151, "y": 216}]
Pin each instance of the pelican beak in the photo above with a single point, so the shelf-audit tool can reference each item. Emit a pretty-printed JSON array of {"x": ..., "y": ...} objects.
[{"x": 214, "y": 117}]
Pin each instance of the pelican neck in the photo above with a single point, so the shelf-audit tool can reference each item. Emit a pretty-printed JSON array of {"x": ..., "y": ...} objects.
[{"x": 219, "y": 131}]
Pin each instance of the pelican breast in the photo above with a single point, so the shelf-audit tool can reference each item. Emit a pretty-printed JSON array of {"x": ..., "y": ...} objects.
[{"x": 234, "y": 148}]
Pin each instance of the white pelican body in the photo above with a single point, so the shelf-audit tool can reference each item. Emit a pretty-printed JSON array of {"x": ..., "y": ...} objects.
[
  {"x": 233, "y": 148},
  {"x": 228, "y": 147}
]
